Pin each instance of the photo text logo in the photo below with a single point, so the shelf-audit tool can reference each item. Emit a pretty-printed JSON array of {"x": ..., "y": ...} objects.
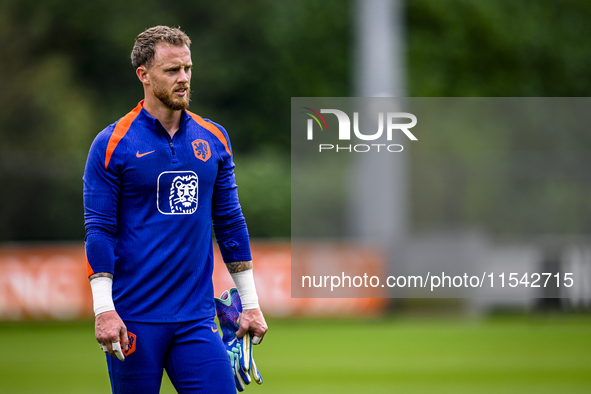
[{"x": 388, "y": 122}]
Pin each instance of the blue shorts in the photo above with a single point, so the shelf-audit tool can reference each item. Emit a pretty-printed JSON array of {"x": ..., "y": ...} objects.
[{"x": 192, "y": 353}]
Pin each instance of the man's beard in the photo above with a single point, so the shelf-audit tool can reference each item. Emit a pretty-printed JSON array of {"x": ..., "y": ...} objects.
[{"x": 169, "y": 101}]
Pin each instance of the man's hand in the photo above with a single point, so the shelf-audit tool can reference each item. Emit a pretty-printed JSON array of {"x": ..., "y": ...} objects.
[
  {"x": 229, "y": 311},
  {"x": 252, "y": 320},
  {"x": 111, "y": 334}
]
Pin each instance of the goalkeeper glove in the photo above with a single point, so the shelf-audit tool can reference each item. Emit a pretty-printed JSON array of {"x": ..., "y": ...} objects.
[{"x": 228, "y": 308}]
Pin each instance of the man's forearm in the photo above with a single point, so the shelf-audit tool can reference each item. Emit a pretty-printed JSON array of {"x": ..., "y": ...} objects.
[
  {"x": 101, "y": 284},
  {"x": 238, "y": 266},
  {"x": 100, "y": 275},
  {"x": 241, "y": 272}
]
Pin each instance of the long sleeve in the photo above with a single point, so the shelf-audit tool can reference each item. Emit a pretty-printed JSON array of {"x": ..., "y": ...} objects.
[
  {"x": 101, "y": 193},
  {"x": 228, "y": 221}
]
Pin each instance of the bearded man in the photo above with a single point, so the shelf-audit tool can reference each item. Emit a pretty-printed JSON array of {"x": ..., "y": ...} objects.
[{"x": 154, "y": 182}]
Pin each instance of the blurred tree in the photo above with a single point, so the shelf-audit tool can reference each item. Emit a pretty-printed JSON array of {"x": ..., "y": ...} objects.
[
  {"x": 500, "y": 48},
  {"x": 66, "y": 74},
  {"x": 509, "y": 183}
]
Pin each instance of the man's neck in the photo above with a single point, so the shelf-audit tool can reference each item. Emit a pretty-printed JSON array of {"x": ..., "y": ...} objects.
[{"x": 169, "y": 118}]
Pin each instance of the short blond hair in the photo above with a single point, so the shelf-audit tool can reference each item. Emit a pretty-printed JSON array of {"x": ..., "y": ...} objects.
[{"x": 145, "y": 43}]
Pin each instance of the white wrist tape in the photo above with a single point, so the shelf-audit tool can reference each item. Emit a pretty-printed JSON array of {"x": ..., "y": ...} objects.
[
  {"x": 244, "y": 281},
  {"x": 102, "y": 294}
]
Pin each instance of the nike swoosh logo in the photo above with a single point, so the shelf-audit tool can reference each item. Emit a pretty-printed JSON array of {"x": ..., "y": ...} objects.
[
  {"x": 138, "y": 154},
  {"x": 214, "y": 330}
]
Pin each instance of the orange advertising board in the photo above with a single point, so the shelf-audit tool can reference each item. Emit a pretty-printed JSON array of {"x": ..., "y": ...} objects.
[
  {"x": 50, "y": 282},
  {"x": 44, "y": 282}
]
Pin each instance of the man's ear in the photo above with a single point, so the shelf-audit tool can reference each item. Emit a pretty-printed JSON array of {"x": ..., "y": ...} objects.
[{"x": 142, "y": 74}]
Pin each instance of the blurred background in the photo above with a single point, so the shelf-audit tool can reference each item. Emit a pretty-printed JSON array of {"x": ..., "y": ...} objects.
[{"x": 65, "y": 74}]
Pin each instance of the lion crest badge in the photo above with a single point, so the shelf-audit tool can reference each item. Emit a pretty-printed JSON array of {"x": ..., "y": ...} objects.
[
  {"x": 178, "y": 192},
  {"x": 201, "y": 150}
]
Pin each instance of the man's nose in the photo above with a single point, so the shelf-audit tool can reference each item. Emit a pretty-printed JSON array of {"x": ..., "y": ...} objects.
[{"x": 183, "y": 77}]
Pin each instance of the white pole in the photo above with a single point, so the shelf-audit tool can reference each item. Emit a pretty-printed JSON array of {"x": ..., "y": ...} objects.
[{"x": 379, "y": 181}]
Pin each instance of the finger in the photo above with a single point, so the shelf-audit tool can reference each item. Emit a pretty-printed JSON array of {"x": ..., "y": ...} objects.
[
  {"x": 108, "y": 349},
  {"x": 246, "y": 352},
  {"x": 117, "y": 351},
  {"x": 255, "y": 372},
  {"x": 123, "y": 338},
  {"x": 243, "y": 363},
  {"x": 258, "y": 334},
  {"x": 241, "y": 331},
  {"x": 238, "y": 379}
]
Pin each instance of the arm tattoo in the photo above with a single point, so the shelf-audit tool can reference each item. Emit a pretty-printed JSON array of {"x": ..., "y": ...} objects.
[
  {"x": 100, "y": 275},
  {"x": 238, "y": 266}
]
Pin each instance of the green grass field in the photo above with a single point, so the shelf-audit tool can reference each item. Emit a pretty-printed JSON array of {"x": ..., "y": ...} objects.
[{"x": 508, "y": 355}]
